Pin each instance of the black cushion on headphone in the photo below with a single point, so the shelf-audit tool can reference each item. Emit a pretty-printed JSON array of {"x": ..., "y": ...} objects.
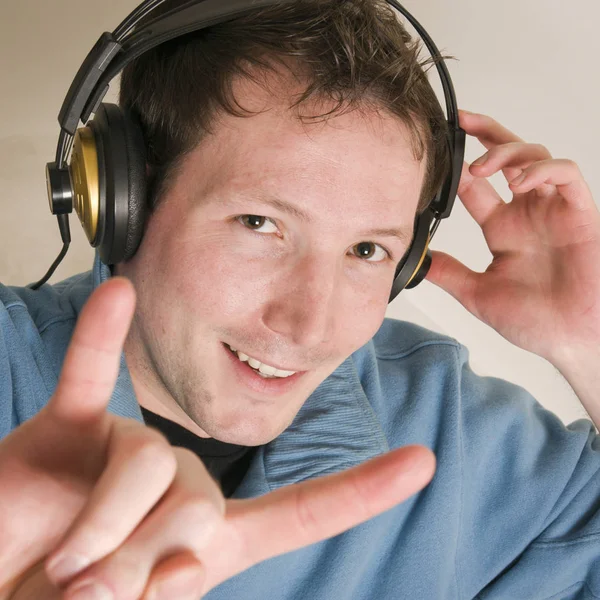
[
  {"x": 138, "y": 201},
  {"x": 122, "y": 183}
]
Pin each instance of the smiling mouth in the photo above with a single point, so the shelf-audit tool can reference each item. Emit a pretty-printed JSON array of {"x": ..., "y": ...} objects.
[{"x": 262, "y": 369}]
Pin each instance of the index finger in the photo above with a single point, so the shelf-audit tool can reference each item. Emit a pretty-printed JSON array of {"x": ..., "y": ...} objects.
[
  {"x": 91, "y": 364},
  {"x": 487, "y": 130}
]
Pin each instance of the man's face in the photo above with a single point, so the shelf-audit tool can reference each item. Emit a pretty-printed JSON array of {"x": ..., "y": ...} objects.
[{"x": 299, "y": 286}]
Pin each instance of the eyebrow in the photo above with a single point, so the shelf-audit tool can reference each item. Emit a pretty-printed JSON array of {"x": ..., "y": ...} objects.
[{"x": 403, "y": 234}]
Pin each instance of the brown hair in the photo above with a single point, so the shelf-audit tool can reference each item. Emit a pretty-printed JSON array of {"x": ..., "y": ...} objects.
[{"x": 354, "y": 52}]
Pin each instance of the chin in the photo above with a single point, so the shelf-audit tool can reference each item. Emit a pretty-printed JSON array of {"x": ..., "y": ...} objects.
[
  {"x": 246, "y": 438},
  {"x": 247, "y": 430}
]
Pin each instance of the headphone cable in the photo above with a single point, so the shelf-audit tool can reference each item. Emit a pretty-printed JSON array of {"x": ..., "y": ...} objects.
[{"x": 65, "y": 234}]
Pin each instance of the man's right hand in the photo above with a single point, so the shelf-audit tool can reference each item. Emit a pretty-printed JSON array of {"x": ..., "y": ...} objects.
[
  {"x": 78, "y": 476},
  {"x": 50, "y": 464}
]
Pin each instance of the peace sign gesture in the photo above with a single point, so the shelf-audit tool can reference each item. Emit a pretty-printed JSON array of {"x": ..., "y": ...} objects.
[
  {"x": 542, "y": 289},
  {"x": 141, "y": 518}
]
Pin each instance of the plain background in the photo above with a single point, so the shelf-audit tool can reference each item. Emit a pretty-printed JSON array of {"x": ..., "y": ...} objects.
[{"x": 531, "y": 64}]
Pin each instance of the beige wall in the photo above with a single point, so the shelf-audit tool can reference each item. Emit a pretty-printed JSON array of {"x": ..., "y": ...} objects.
[{"x": 528, "y": 63}]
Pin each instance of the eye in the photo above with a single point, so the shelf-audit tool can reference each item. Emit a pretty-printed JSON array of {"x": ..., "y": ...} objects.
[
  {"x": 367, "y": 250},
  {"x": 256, "y": 223}
]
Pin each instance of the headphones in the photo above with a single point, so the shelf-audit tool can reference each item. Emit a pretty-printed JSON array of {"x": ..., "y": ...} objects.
[{"x": 105, "y": 181}]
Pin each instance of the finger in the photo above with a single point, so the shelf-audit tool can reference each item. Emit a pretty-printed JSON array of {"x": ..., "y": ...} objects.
[
  {"x": 454, "y": 278},
  {"x": 179, "y": 576},
  {"x": 478, "y": 196},
  {"x": 140, "y": 465},
  {"x": 562, "y": 173},
  {"x": 489, "y": 133},
  {"x": 187, "y": 516},
  {"x": 512, "y": 159},
  {"x": 91, "y": 364},
  {"x": 304, "y": 513},
  {"x": 487, "y": 130}
]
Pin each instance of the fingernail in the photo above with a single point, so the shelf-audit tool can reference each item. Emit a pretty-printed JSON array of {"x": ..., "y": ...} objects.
[
  {"x": 62, "y": 567},
  {"x": 89, "y": 590},
  {"x": 480, "y": 161}
]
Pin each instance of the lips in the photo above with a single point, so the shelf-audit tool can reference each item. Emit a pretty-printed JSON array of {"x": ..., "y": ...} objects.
[
  {"x": 264, "y": 368},
  {"x": 247, "y": 376}
]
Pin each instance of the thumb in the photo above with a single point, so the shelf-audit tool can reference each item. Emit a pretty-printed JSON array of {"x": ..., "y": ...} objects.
[
  {"x": 92, "y": 361},
  {"x": 453, "y": 277},
  {"x": 295, "y": 516}
]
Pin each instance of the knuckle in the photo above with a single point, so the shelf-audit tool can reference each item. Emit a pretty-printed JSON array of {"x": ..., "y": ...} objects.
[
  {"x": 359, "y": 499},
  {"x": 503, "y": 152},
  {"x": 313, "y": 518},
  {"x": 199, "y": 510},
  {"x": 541, "y": 149},
  {"x": 307, "y": 519},
  {"x": 85, "y": 387},
  {"x": 488, "y": 121},
  {"x": 572, "y": 165},
  {"x": 153, "y": 450}
]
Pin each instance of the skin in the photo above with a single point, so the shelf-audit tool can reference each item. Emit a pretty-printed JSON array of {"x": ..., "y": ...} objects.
[
  {"x": 192, "y": 538},
  {"x": 551, "y": 217},
  {"x": 284, "y": 295},
  {"x": 146, "y": 515}
]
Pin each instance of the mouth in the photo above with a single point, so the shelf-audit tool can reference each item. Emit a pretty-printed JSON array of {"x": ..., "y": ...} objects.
[
  {"x": 270, "y": 384},
  {"x": 263, "y": 369}
]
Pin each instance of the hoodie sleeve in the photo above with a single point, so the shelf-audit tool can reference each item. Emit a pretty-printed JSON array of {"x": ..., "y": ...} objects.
[
  {"x": 27, "y": 376},
  {"x": 530, "y": 500}
]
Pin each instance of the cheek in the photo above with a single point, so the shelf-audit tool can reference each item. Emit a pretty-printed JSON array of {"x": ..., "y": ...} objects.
[
  {"x": 358, "y": 315},
  {"x": 213, "y": 275},
  {"x": 218, "y": 275},
  {"x": 373, "y": 312}
]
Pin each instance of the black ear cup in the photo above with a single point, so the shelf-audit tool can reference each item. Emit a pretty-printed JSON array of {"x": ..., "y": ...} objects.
[
  {"x": 417, "y": 260},
  {"x": 121, "y": 183},
  {"x": 137, "y": 207}
]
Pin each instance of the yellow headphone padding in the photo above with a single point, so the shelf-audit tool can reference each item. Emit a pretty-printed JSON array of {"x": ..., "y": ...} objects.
[
  {"x": 420, "y": 261},
  {"x": 84, "y": 178}
]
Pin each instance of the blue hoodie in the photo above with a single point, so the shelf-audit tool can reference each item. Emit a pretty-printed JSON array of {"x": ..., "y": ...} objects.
[{"x": 512, "y": 513}]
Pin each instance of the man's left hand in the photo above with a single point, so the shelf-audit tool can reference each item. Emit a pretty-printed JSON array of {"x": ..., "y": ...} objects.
[{"x": 542, "y": 288}]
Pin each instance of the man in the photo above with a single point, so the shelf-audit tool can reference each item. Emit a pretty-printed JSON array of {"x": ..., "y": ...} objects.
[{"x": 270, "y": 240}]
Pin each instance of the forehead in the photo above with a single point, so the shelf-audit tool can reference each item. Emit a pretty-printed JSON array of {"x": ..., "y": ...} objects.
[{"x": 362, "y": 158}]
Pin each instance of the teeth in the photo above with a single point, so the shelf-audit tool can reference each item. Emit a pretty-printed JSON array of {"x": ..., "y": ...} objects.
[
  {"x": 255, "y": 364},
  {"x": 264, "y": 370}
]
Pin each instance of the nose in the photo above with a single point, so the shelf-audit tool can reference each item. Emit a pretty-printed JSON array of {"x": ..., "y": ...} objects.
[{"x": 301, "y": 309}]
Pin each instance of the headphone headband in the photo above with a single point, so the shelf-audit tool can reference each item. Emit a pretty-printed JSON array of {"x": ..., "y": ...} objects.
[
  {"x": 114, "y": 51},
  {"x": 139, "y": 33}
]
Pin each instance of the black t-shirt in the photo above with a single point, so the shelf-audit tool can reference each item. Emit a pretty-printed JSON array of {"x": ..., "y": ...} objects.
[{"x": 227, "y": 463}]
